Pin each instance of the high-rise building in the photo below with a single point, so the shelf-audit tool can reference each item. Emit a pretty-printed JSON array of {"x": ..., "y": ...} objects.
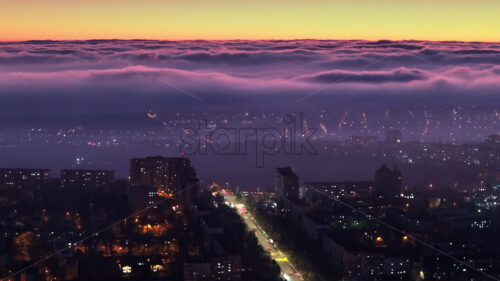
[
  {"x": 170, "y": 175},
  {"x": 286, "y": 183},
  {"x": 91, "y": 179},
  {"x": 142, "y": 197},
  {"x": 393, "y": 136},
  {"x": 388, "y": 181},
  {"x": 23, "y": 177}
]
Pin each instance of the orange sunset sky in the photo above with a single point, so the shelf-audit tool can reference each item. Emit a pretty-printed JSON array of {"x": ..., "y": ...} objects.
[{"x": 257, "y": 19}]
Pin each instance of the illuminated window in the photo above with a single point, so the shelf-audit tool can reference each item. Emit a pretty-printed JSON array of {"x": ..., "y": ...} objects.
[{"x": 127, "y": 269}]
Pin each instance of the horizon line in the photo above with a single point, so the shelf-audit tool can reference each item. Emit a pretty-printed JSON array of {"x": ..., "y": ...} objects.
[{"x": 241, "y": 39}]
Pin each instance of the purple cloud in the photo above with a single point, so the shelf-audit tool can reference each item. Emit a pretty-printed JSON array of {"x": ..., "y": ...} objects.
[{"x": 227, "y": 72}]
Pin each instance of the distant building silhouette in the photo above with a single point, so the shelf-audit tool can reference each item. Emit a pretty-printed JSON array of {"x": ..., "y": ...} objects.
[
  {"x": 493, "y": 139},
  {"x": 140, "y": 197},
  {"x": 363, "y": 140},
  {"x": 91, "y": 179},
  {"x": 388, "y": 181},
  {"x": 19, "y": 178},
  {"x": 286, "y": 183},
  {"x": 393, "y": 136},
  {"x": 169, "y": 175},
  {"x": 338, "y": 189}
]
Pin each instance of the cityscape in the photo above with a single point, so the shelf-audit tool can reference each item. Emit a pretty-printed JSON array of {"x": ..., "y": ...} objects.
[
  {"x": 163, "y": 223},
  {"x": 232, "y": 140}
]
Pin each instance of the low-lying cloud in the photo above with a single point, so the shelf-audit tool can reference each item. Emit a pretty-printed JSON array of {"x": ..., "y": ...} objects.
[{"x": 247, "y": 73}]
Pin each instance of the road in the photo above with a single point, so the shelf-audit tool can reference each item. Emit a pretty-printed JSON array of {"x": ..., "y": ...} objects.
[{"x": 288, "y": 271}]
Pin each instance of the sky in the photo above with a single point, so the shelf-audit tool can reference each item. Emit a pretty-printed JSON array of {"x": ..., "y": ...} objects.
[
  {"x": 199, "y": 55},
  {"x": 432, "y": 52},
  {"x": 461, "y": 20}
]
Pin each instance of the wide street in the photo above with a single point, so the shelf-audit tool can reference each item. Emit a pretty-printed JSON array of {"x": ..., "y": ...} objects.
[{"x": 288, "y": 271}]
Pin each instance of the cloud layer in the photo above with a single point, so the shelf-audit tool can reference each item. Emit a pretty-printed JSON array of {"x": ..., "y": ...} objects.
[{"x": 138, "y": 73}]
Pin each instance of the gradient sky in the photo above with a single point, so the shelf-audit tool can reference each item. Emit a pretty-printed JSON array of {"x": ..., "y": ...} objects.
[{"x": 258, "y": 19}]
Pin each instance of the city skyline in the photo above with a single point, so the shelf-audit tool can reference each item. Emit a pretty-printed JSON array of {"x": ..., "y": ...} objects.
[{"x": 232, "y": 140}]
